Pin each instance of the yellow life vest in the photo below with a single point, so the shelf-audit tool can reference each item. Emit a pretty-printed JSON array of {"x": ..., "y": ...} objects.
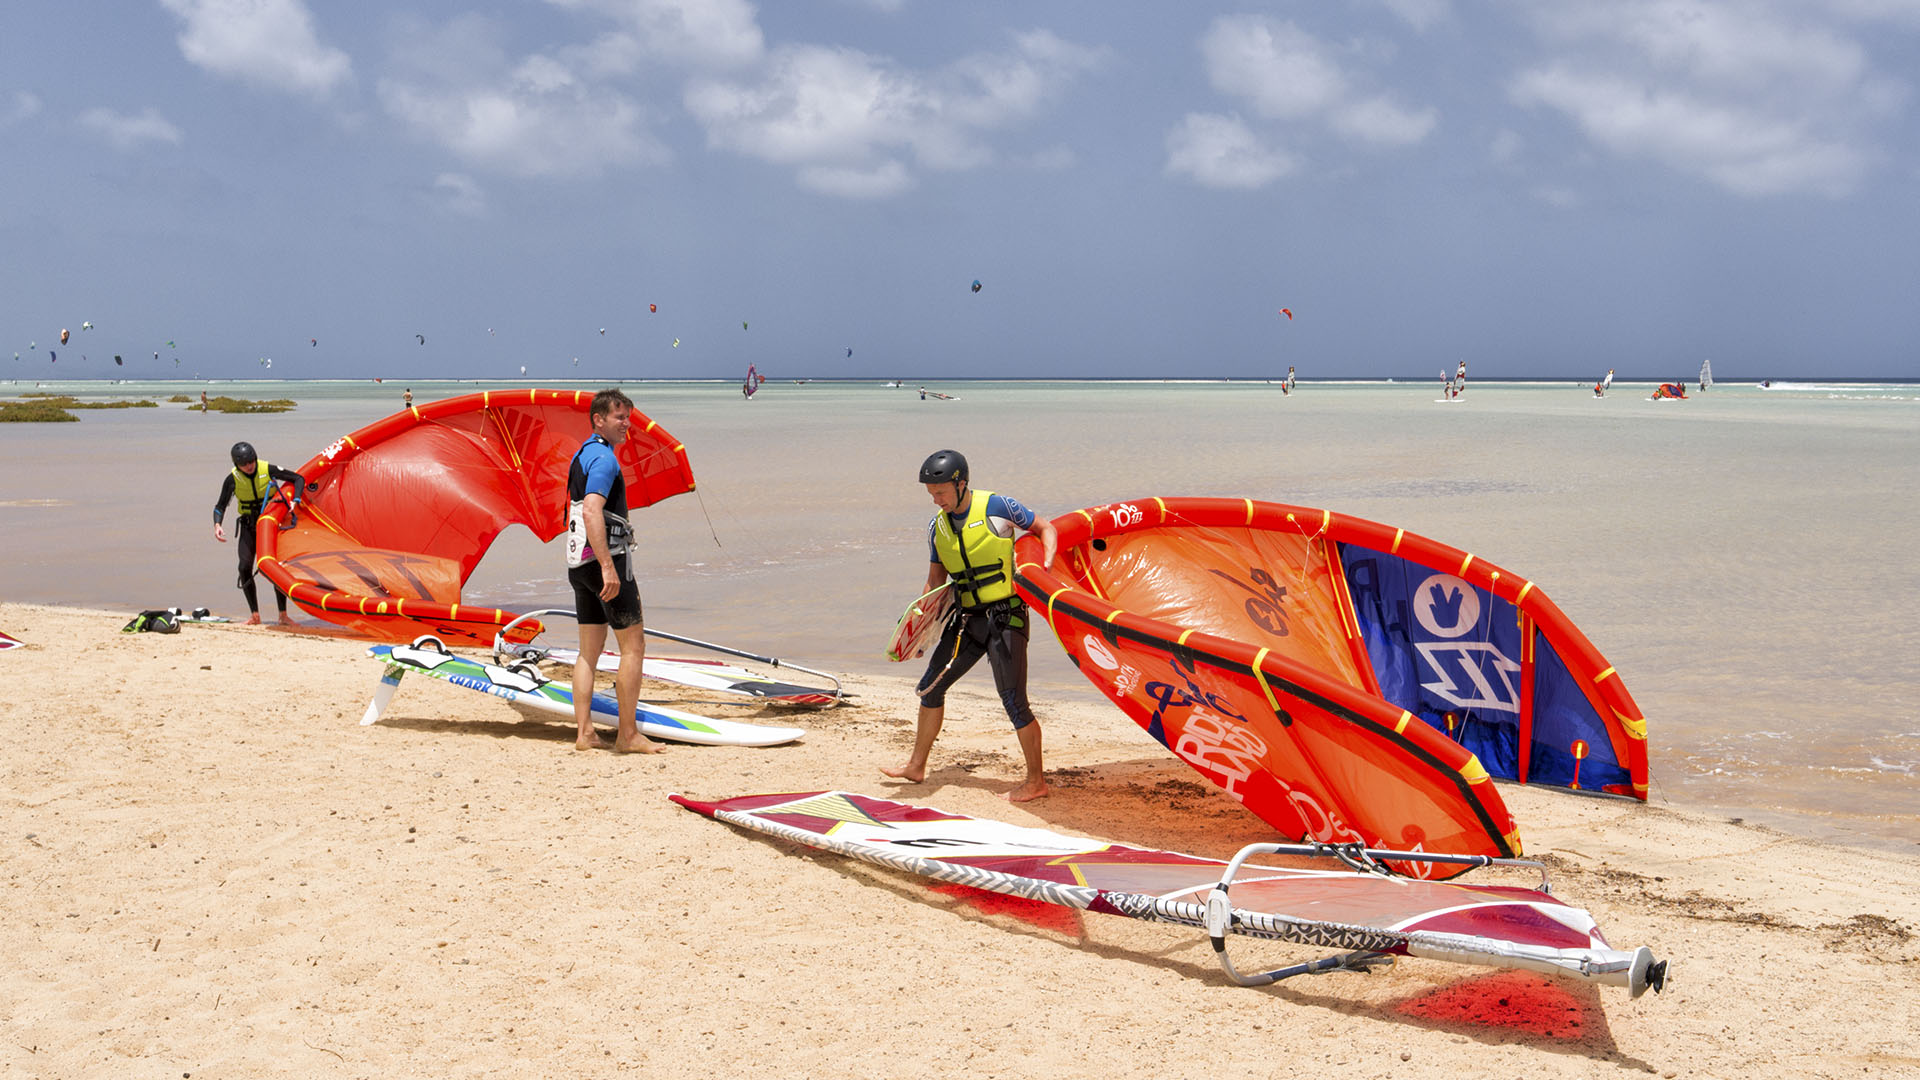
[
  {"x": 980, "y": 561},
  {"x": 252, "y": 491}
]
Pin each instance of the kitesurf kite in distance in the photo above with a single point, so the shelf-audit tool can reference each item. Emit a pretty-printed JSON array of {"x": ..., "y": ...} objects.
[
  {"x": 603, "y": 331},
  {"x": 976, "y": 284},
  {"x": 86, "y": 326},
  {"x": 1288, "y": 312},
  {"x": 653, "y": 307},
  {"x": 63, "y": 337},
  {"x": 422, "y": 338}
]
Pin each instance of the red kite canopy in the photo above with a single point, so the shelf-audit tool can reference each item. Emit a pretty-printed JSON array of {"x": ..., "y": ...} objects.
[
  {"x": 1345, "y": 680},
  {"x": 398, "y": 513}
]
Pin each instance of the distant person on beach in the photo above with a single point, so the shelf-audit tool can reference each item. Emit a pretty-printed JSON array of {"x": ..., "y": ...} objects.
[
  {"x": 1460, "y": 380},
  {"x": 203, "y": 402},
  {"x": 252, "y": 481},
  {"x": 970, "y": 543},
  {"x": 605, "y": 593},
  {"x": 407, "y": 398},
  {"x": 923, "y": 393}
]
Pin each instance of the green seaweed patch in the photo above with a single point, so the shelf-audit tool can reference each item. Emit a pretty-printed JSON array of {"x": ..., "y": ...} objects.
[
  {"x": 179, "y": 399},
  {"x": 67, "y": 401},
  {"x": 33, "y": 412},
  {"x": 226, "y": 404}
]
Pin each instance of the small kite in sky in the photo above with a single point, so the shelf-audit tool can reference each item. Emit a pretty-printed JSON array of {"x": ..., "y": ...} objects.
[
  {"x": 1288, "y": 312},
  {"x": 422, "y": 338},
  {"x": 63, "y": 337},
  {"x": 117, "y": 362},
  {"x": 653, "y": 307},
  {"x": 743, "y": 324},
  {"x": 676, "y": 343},
  {"x": 976, "y": 284},
  {"x": 313, "y": 342},
  {"x": 849, "y": 352},
  {"x": 86, "y": 326},
  {"x": 603, "y": 331}
]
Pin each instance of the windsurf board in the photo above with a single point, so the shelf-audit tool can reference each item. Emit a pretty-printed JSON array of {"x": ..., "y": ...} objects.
[
  {"x": 523, "y": 687},
  {"x": 7, "y": 641},
  {"x": 920, "y": 625}
]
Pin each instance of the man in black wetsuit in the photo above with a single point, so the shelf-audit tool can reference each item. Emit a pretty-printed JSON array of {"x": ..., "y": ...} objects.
[{"x": 252, "y": 480}]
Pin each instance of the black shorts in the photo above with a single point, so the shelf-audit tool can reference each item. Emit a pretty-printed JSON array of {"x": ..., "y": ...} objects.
[
  {"x": 999, "y": 633},
  {"x": 620, "y": 612}
]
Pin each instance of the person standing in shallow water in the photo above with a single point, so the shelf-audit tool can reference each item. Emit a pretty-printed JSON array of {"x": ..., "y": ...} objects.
[
  {"x": 599, "y": 543},
  {"x": 406, "y": 400},
  {"x": 252, "y": 481},
  {"x": 970, "y": 544}
]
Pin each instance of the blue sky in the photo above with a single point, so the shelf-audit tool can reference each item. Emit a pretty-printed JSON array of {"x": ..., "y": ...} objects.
[{"x": 1540, "y": 188}]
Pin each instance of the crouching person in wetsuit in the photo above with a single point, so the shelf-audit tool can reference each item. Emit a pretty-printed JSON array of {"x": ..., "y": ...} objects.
[
  {"x": 970, "y": 543},
  {"x": 252, "y": 480},
  {"x": 599, "y": 546}
]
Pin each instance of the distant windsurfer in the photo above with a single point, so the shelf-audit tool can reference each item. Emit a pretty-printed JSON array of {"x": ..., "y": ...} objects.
[
  {"x": 605, "y": 593},
  {"x": 970, "y": 543},
  {"x": 1460, "y": 380},
  {"x": 252, "y": 481}
]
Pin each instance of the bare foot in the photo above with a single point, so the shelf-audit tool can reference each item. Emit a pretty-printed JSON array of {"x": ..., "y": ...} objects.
[
  {"x": 640, "y": 745},
  {"x": 252, "y": 620},
  {"x": 287, "y": 620},
  {"x": 1029, "y": 791},
  {"x": 911, "y": 773},
  {"x": 591, "y": 743}
]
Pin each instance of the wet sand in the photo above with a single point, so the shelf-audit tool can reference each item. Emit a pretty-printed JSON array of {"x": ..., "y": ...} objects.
[{"x": 213, "y": 871}]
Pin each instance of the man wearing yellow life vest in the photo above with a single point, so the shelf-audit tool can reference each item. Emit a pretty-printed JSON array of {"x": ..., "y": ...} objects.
[
  {"x": 970, "y": 544},
  {"x": 252, "y": 481}
]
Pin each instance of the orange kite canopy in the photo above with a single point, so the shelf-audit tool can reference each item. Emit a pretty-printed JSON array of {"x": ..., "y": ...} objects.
[
  {"x": 398, "y": 513},
  {"x": 1347, "y": 681}
]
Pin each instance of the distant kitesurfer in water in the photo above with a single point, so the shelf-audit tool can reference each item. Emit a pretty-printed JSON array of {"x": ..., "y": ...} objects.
[
  {"x": 1460, "y": 380},
  {"x": 605, "y": 593},
  {"x": 252, "y": 481},
  {"x": 970, "y": 543}
]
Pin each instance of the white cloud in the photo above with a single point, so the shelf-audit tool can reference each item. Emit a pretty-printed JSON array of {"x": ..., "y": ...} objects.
[
  {"x": 1273, "y": 65},
  {"x": 535, "y": 116},
  {"x": 1287, "y": 76},
  {"x": 1222, "y": 152},
  {"x": 124, "y": 132},
  {"x": 266, "y": 42},
  {"x": 688, "y": 33},
  {"x": 846, "y": 118},
  {"x": 460, "y": 194},
  {"x": 1757, "y": 98},
  {"x": 1420, "y": 14},
  {"x": 21, "y": 105},
  {"x": 1742, "y": 149},
  {"x": 1382, "y": 121},
  {"x": 885, "y": 179}
]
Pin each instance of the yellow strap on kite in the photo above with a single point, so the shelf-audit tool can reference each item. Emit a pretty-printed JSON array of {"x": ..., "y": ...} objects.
[{"x": 1260, "y": 677}]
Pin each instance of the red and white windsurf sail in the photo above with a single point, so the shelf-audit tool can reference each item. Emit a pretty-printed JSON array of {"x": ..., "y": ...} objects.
[{"x": 1373, "y": 913}]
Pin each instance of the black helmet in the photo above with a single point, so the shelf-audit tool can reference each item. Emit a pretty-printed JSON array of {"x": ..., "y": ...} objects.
[
  {"x": 243, "y": 454},
  {"x": 945, "y": 466}
]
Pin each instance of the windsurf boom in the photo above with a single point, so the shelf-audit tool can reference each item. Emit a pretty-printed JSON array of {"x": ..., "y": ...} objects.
[
  {"x": 1367, "y": 912},
  {"x": 1347, "y": 681}
]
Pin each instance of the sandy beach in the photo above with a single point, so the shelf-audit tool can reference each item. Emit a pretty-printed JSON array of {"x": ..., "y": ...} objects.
[{"x": 214, "y": 871}]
